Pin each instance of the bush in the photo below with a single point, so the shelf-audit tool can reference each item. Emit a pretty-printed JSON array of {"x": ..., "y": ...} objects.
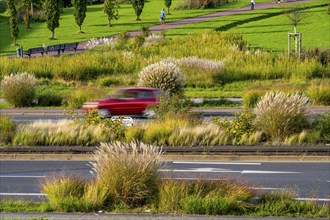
[
  {"x": 279, "y": 115},
  {"x": 49, "y": 98},
  {"x": 204, "y": 197},
  {"x": 322, "y": 126},
  {"x": 164, "y": 75},
  {"x": 128, "y": 170},
  {"x": 251, "y": 98},
  {"x": 241, "y": 124},
  {"x": 19, "y": 89},
  {"x": 319, "y": 93},
  {"x": 3, "y": 6},
  {"x": 7, "y": 129},
  {"x": 200, "y": 4},
  {"x": 64, "y": 193},
  {"x": 79, "y": 96}
]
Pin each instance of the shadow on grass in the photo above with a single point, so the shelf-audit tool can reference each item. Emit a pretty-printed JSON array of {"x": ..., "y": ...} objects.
[{"x": 258, "y": 18}]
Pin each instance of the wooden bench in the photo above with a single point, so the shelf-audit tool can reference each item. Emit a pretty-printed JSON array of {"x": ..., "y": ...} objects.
[{"x": 34, "y": 51}]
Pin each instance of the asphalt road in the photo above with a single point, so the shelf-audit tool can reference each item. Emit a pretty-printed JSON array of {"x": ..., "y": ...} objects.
[{"x": 311, "y": 181}]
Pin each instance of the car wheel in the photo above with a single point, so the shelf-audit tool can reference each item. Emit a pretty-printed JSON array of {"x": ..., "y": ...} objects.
[
  {"x": 149, "y": 113},
  {"x": 104, "y": 112}
]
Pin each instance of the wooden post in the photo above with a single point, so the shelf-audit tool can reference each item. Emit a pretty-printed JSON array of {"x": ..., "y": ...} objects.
[{"x": 298, "y": 43}]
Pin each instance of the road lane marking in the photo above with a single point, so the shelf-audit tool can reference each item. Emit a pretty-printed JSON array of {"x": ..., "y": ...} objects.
[
  {"x": 4, "y": 176},
  {"x": 216, "y": 163},
  {"x": 23, "y": 194},
  {"x": 200, "y": 170},
  {"x": 195, "y": 178},
  {"x": 313, "y": 199},
  {"x": 266, "y": 172},
  {"x": 266, "y": 188}
]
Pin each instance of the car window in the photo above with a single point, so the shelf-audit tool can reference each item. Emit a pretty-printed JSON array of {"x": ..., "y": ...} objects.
[
  {"x": 127, "y": 94},
  {"x": 144, "y": 95}
]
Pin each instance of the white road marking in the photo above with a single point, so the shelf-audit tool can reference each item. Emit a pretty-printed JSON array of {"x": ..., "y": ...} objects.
[
  {"x": 313, "y": 199},
  {"x": 266, "y": 188},
  {"x": 196, "y": 178},
  {"x": 217, "y": 163},
  {"x": 266, "y": 172},
  {"x": 200, "y": 170},
  {"x": 4, "y": 176},
  {"x": 22, "y": 194}
]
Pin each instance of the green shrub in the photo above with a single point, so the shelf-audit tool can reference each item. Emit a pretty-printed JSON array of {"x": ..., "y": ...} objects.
[
  {"x": 7, "y": 129},
  {"x": 251, "y": 98},
  {"x": 319, "y": 93},
  {"x": 3, "y": 6},
  {"x": 95, "y": 196},
  {"x": 49, "y": 98},
  {"x": 134, "y": 134},
  {"x": 284, "y": 204},
  {"x": 241, "y": 124},
  {"x": 279, "y": 115},
  {"x": 204, "y": 197},
  {"x": 19, "y": 89},
  {"x": 322, "y": 126},
  {"x": 108, "y": 81},
  {"x": 164, "y": 75},
  {"x": 201, "y": 4},
  {"x": 129, "y": 171},
  {"x": 79, "y": 96},
  {"x": 64, "y": 193}
]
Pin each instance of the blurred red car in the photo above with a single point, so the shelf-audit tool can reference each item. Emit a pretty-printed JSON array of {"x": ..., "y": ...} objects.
[{"x": 127, "y": 101}]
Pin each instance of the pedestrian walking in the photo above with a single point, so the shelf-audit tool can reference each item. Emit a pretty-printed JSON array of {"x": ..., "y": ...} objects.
[
  {"x": 252, "y": 4},
  {"x": 162, "y": 16}
]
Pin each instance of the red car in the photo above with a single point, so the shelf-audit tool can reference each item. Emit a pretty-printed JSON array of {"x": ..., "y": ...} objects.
[{"x": 128, "y": 101}]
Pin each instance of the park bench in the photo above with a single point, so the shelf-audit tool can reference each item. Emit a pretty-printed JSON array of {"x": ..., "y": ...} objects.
[
  {"x": 35, "y": 51},
  {"x": 70, "y": 46},
  {"x": 57, "y": 48}
]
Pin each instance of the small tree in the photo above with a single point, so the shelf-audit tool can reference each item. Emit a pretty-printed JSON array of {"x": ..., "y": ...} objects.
[
  {"x": 13, "y": 20},
  {"x": 111, "y": 9},
  {"x": 168, "y": 4},
  {"x": 80, "y": 8},
  {"x": 52, "y": 13},
  {"x": 138, "y": 8},
  {"x": 295, "y": 15}
]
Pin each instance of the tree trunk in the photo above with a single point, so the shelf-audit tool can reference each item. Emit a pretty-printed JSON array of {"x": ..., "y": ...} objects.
[
  {"x": 295, "y": 28},
  {"x": 168, "y": 11},
  {"x": 53, "y": 33}
]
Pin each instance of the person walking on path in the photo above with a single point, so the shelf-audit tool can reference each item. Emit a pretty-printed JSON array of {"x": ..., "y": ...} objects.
[
  {"x": 162, "y": 16},
  {"x": 252, "y": 4}
]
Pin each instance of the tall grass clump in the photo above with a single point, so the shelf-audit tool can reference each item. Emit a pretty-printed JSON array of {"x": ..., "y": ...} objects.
[
  {"x": 279, "y": 115},
  {"x": 7, "y": 129},
  {"x": 77, "y": 97},
  {"x": 322, "y": 126},
  {"x": 19, "y": 89},
  {"x": 284, "y": 204},
  {"x": 201, "y": 72},
  {"x": 64, "y": 193},
  {"x": 319, "y": 93},
  {"x": 129, "y": 170},
  {"x": 251, "y": 98},
  {"x": 163, "y": 75},
  {"x": 217, "y": 197}
]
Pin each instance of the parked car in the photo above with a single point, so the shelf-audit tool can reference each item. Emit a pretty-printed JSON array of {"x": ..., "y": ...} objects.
[{"x": 127, "y": 101}]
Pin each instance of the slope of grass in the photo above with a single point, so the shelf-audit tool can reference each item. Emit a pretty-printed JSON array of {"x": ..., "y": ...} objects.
[
  {"x": 95, "y": 24},
  {"x": 268, "y": 28}
]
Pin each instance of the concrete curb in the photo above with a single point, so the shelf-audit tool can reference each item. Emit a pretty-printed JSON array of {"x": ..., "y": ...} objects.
[{"x": 207, "y": 153}]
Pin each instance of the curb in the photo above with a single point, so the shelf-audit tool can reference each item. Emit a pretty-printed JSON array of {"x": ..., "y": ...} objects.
[{"x": 207, "y": 153}]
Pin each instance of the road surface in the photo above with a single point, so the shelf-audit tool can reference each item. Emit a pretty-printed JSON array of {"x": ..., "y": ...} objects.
[{"x": 311, "y": 181}]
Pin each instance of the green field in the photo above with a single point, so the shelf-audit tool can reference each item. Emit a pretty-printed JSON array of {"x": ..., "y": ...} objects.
[
  {"x": 261, "y": 28},
  {"x": 95, "y": 24}
]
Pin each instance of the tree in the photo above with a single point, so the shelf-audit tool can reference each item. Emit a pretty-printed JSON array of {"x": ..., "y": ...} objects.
[
  {"x": 52, "y": 13},
  {"x": 13, "y": 20},
  {"x": 138, "y": 7},
  {"x": 168, "y": 4},
  {"x": 26, "y": 5},
  {"x": 111, "y": 9},
  {"x": 295, "y": 15},
  {"x": 80, "y": 8}
]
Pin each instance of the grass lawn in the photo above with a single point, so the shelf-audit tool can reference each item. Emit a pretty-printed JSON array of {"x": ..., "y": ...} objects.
[
  {"x": 268, "y": 28},
  {"x": 95, "y": 24}
]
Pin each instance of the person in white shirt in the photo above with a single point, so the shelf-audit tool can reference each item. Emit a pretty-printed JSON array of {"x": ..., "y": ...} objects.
[{"x": 252, "y": 4}]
